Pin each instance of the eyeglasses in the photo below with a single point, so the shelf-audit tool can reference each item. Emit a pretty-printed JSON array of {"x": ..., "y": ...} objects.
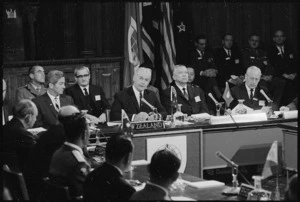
[{"x": 81, "y": 76}]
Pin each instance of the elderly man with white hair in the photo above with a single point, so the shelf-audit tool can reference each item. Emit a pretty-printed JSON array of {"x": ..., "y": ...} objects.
[{"x": 131, "y": 99}]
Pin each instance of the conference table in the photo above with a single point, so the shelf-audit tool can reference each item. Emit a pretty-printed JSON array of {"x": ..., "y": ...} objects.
[{"x": 244, "y": 143}]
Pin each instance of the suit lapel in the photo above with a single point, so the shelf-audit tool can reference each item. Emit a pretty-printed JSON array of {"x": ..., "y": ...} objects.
[
  {"x": 133, "y": 98},
  {"x": 80, "y": 94},
  {"x": 49, "y": 103}
]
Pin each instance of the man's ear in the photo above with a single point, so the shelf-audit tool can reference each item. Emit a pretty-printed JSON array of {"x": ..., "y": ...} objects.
[
  {"x": 31, "y": 76},
  {"x": 27, "y": 118}
]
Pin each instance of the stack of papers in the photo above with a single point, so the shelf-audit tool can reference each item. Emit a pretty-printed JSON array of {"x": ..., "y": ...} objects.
[
  {"x": 290, "y": 114},
  {"x": 139, "y": 163},
  {"x": 204, "y": 184}
]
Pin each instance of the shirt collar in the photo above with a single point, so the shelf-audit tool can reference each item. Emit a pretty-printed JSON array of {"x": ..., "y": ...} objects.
[
  {"x": 200, "y": 52},
  {"x": 53, "y": 97},
  {"x": 34, "y": 86},
  {"x": 280, "y": 47},
  {"x": 248, "y": 89},
  {"x": 74, "y": 146},
  {"x": 181, "y": 87},
  {"x": 136, "y": 92},
  {"x": 161, "y": 187},
  {"x": 120, "y": 171},
  {"x": 87, "y": 88}
]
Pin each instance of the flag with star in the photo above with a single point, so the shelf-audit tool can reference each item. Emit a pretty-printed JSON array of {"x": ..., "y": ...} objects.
[
  {"x": 227, "y": 95},
  {"x": 126, "y": 124}
]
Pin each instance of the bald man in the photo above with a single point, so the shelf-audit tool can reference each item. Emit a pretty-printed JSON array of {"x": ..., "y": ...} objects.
[
  {"x": 36, "y": 85},
  {"x": 249, "y": 91},
  {"x": 130, "y": 99}
]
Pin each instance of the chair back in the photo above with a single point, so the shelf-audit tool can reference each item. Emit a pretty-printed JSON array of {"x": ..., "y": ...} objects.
[
  {"x": 15, "y": 184},
  {"x": 54, "y": 192}
]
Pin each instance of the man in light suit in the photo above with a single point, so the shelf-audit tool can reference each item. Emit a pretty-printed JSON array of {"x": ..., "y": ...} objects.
[
  {"x": 249, "y": 91},
  {"x": 106, "y": 182},
  {"x": 130, "y": 99},
  {"x": 191, "y": 97},
  {"x": 35, "y": 87},
  {"x": 88, "y": 97},
  {"x": 49, "y": 104},
  {"x": 163, "y": 171}
]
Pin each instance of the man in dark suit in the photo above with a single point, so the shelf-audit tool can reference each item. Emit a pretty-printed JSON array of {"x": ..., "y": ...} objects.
[
  {"x": 249, "y": 91},
  {"x": 69, "y": 166},
  {"x": 205, "y": 69},
  {"x": 17, "y": 141},
  {"x": 191, "y": 98},
  {"x": 283, "y": 59},
  {"x": 254, "y": 56},
  {"x": 163, "y": 171},
  {"x": 88, "y": 97},
  {"x": 228, "y": 61},
  {"x": 35, "y": 87},
  {"x": 106, "y": 183},
  {"x": 130, "y": 99},
  {"x": 49, "y": 103}
]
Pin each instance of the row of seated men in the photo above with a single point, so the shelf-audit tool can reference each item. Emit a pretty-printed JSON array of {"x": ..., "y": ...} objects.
[
  {"x": 60, "y": 154},
  {"x": 278, "y": 65}
]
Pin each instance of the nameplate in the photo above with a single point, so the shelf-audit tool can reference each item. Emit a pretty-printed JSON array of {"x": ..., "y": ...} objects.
[
  {"x": 146, "y": 125},
  {"x": 245, "y": 189}
]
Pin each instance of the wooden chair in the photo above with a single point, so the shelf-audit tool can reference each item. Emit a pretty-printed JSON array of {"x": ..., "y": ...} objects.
[
  {"x": 15, "y": 184},
  {"x": 54, "y": 192}
]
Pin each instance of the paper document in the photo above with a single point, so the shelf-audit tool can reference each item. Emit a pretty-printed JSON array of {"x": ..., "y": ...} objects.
[
  {"x": 35, "y": 131},
  {"x": 139, "y": 162},
  {"x": 181, "y": 198},
  {"x": 204, "y": 184},
  {"x": 113, "y": 124}
]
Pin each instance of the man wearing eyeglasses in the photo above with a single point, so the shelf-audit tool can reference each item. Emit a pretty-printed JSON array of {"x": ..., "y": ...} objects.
[{"x": 88, "y": 97}]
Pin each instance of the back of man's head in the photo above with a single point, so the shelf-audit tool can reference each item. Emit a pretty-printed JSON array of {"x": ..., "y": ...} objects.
[
  {"x": 53, "y": 76},
  {"x": 164, "y": 166},
  {"x": 23, "y": 108},
  {"x": 117, "y": 147},
  {"x": 75, "y": 126}
]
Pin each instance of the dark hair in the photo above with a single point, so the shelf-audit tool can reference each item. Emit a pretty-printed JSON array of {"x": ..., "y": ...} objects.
[
  {"x": 75, "y": 125},
  {"x": 147, "y": 65},
  {"x": 226, "y": 34},
  {"x": 200, "y": 36},
  {"x": 164, "y": 165},
  {"x": 253, "y": 34},
  {"x": 117, "y": 147}
]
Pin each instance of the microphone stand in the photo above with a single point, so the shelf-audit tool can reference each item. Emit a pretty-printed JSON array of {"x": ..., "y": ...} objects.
[{"x": 234, "y": 189}]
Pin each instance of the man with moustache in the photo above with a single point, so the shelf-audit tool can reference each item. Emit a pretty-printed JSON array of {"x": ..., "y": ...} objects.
[{"x": 35, "y": 87}]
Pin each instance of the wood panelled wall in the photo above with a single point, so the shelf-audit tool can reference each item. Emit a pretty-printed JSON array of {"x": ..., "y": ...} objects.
[{"x": 242, "y": 18}]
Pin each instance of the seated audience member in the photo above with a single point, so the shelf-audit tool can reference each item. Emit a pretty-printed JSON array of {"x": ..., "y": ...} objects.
[
  {"x": 283, "y": 59},
  {"x": 163, "y": 171},
  {"x": 191, "y": 74},
  {"x": 291, "y": 194},
  {"x": 292, "y": 106},
  {"x": 87, "y": 96},
  {"x": 39, "y": 159},
  {"x": 228, "y": 61},
  {"x": 49, "y": 104},
  {"x": 192, "y": 98},
  {"x": 7, "y": 106},
  {"x": 130, "y": 99},
  {"x": 249, "y": 91},
  {"x": 35, "y": 87},
  {"x": 205, "y": 69},
  {"x": 69, "y": 166},
  {"x": 106, "y": 183},
  {"x": 254, "y": 56},
  {"x": 17, "y": 141}
]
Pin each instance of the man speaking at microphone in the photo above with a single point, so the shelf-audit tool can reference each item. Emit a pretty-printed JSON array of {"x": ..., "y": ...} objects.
[
  {"x": 191, "y": 97},
  {"x": 131, "y": 99},
  {"x": 254, "y": 96}
]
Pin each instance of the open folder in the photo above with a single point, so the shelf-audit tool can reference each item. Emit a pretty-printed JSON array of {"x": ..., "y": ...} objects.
[{"x": 204, "y": 184}]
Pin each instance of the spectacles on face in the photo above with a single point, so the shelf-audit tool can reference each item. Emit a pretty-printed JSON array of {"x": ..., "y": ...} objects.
[{"x": 81, "y": 76}]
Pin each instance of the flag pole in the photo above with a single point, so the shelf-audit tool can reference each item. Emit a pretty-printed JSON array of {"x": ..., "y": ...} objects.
[{"x": 277, "y": 193}]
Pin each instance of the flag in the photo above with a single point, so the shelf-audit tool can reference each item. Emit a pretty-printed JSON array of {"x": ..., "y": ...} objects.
[
  {"x": 227, "y": 95},
  {"x": 132, "y": 46},
  {"x": 271, "y": 163},
  {"x": 126, "y": 124}
]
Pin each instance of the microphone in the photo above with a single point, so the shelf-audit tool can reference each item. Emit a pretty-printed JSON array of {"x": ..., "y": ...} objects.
[
  {"x": 212, "y": 97},
  {"x": 148, "y": 104},
  {"x": 265, "y": 95},
  {"x": 224, "y": 158}
]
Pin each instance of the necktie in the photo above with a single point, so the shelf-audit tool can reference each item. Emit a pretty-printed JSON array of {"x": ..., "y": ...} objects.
[
  {"x": 85, "y": 92},
  {"x": 185, "y": 94},
  {"x": 229, "y": 53},
  {"x": 251, "y": 94},
  {"x": 282, "y": 52},
  {"x": 202, "y": 53},
  {"x": 141, "y": 96},
  {"x": 56, "y": 104}
]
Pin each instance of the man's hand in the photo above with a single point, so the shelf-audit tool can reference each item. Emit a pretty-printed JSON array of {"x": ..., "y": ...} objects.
[
  {"x": 153, "y": 116},
  {"x": 210, "y": 73},
  {"x": 142, "y": 116},
  {"x": 92, "y": 118},
  {"x": 102, "y": 118},
  {"x": 284, "y": 108}
]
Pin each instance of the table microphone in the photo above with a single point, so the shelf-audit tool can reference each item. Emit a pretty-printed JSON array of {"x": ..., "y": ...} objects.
[
  {"x": 148, "y": 104},
  {"x": 227, "y": 160},
  {"x": 265, "y": 95},
  {"x": 212, "y": 97}
]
